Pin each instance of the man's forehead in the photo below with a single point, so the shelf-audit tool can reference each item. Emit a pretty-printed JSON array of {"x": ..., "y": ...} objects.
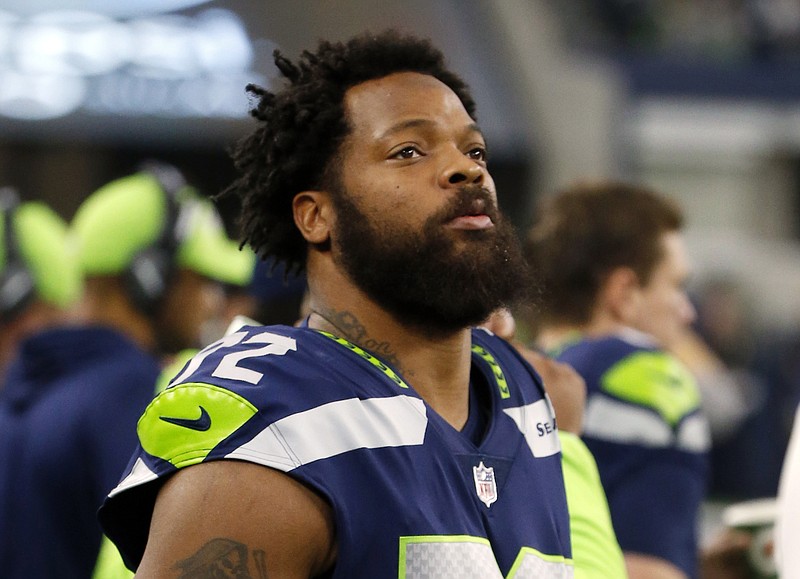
[{"x": 402, "y": 99}]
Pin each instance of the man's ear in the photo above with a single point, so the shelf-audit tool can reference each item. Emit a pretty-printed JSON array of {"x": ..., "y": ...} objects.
[
  {"x": 313, "y": 215},
  {"x": 621, "y": 294}
]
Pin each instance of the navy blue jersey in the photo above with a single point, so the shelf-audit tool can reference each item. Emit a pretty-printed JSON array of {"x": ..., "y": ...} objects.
[
  {"x": 645, "y": 429},
  {"x": 67, "y": 419},
  {"x": 411, "y": 496}
]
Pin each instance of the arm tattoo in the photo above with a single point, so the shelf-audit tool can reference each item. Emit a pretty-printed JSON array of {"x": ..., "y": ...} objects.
[
  {"x": 220, "y": 558},
  {"x": 354, "y": 331}
]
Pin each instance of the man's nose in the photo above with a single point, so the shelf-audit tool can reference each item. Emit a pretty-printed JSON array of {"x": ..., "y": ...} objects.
[{"x": 461, "y": 170}]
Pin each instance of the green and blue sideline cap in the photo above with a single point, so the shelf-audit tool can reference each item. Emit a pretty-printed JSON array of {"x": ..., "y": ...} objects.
[
  {"x": 43, "y": 248},
  {"x": 128, "y": 215}
]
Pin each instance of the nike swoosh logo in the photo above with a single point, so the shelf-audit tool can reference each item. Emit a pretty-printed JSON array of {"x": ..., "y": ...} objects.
[{"x": 201, "y": 424}]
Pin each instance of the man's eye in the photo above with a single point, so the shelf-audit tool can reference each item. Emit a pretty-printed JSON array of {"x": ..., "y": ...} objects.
[
  {"x": 407, "y": 153},
  {"x": 477, "y": 154}
]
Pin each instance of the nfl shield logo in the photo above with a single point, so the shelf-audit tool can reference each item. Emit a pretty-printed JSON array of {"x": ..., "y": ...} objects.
[{"x": 485, "y": 484}]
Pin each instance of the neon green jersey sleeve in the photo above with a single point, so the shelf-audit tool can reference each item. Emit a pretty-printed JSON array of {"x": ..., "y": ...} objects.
[
  {"x": 595, "y": 550},
  {"x": 109, "y": 563}
]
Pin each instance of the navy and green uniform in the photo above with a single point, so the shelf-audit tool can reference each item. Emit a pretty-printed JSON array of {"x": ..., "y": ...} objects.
[
  {"x": 644, "y": 426},
  {"x": 67, "y": 419},
  {"x": 411, "y": 496}
]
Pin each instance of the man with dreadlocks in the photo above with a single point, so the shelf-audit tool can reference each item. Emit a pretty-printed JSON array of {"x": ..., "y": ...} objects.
[{"x": 385, "y": 437}]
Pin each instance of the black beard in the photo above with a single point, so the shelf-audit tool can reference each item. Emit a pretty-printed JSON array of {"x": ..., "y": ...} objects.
[{"x": 423, "y": 278}]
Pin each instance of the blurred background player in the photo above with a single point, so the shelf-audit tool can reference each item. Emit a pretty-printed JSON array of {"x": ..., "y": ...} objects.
[
  {"x": 613, "y": 268},
  {"x": 272, "y": 297},
  {"x": 154, "y": 256},
  {"x": 39, "y": 280}
]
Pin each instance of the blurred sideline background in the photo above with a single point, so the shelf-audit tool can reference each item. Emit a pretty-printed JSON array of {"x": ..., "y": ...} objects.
[{"x": 699, "y": 99}]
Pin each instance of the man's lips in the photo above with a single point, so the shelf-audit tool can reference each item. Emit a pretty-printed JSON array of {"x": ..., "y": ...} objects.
[{"x": 481, "y": 221}]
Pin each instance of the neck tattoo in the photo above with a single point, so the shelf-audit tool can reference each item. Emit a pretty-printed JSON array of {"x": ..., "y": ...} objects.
[{"x": 349, "y": 327}]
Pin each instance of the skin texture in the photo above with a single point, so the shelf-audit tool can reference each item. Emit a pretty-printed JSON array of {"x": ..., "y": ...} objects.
[
  {"x": 726, "y": 556},
  {"x": 414, "y": 143}
]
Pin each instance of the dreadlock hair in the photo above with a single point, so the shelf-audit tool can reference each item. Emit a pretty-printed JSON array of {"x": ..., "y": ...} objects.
[{"x": 302, "y": 126}]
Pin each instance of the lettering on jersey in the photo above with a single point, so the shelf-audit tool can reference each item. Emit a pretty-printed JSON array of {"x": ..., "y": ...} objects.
[
  {"x": 537, "y": 422},
  {"x": 276, "y": 345},
  {"x": 228, "y": 368},
  {"x": 546, "y": 428},
  {"x": 485, "y": 483},
  {"x": 497, "y": 371}
]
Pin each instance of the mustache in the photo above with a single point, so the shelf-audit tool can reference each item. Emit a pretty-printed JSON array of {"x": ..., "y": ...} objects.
[{"x": 471, "y": 200}]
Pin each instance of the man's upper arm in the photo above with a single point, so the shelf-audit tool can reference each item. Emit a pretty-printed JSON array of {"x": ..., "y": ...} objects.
[{"x": 235, "y": 515}]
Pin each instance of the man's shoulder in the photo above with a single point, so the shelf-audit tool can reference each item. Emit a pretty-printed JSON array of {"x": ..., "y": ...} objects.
[
  {"x": 593, "y": 357},
  {"x": 610, "y": 348},
  {"x": 638, "y": 392},
  {"x": 243, "y": 356},
  {"x": 500, "y": 348},
  {"x": 265, "y": 394},
  {"x": 283, "y": 367},
  {"x": 632, "y": 367}
]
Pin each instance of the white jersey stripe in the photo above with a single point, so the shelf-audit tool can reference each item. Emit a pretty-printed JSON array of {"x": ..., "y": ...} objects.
[
  {"x": 614, "y": 421},
  {"x": 336, "y": 428},
  {"x": 140, "y": 474},
  {"x": 537, "y": 423},
  {"x": 694, "y": 434}
]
